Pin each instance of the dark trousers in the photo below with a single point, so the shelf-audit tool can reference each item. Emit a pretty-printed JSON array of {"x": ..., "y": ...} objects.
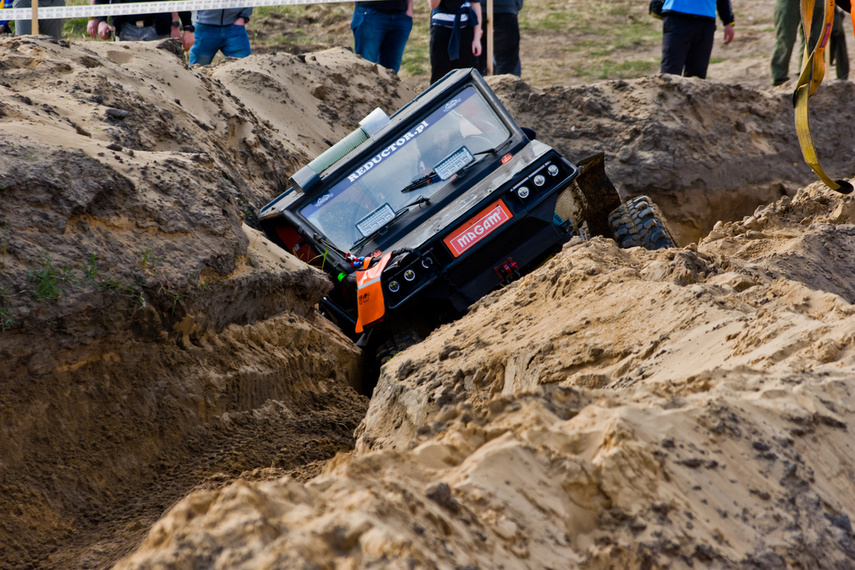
[
  {"x": 506, "y": 46},
  {"x": 440, "y": 61},
  {"x": 837, "y": 46},
  {"x": 686, "y": 45}
]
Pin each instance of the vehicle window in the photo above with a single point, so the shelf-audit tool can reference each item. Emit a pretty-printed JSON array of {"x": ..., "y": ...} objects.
[{"x": 466, "y": 120}]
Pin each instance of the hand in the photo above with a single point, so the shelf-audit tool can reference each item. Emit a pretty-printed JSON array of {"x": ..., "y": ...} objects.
[
  {"x": 728, "y": 34},
  {"x": 105, "y": 31},
  {"x": 240, "y": 22},
  {"x": 476, "y": 45},
  {"x": 174, "y": 32},
  {"x": 187, "y": 39},
  {"x": 92, "y": 27}
]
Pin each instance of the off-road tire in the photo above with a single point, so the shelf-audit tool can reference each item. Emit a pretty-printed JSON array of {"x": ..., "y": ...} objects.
[
  {"x": 395, "y": 343},
  {"x": 638, "y": 223}
]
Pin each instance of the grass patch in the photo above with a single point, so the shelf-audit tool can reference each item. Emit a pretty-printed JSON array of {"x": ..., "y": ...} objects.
[
  {"x": 75, "y": 28},
  {"x": 44, "y": 282},
  {"x": 6, "y": 319},
  {"x": 617, "y": 39}
]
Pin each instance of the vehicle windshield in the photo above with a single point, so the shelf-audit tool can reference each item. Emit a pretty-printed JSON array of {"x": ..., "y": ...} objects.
[{"x": 370, "y": 196}]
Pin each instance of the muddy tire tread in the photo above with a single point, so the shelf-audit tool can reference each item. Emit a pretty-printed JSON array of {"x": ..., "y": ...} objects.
[{"x": 639, "y": 223}]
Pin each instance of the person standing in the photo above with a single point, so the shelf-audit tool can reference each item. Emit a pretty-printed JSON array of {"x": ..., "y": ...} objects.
[
  {"x": 142, "y": 27},
  {"x": 220, "y": 30},
  {"x": 52, "y": 28},
  {"x": 381, "y": 29},
  {"x": 688, "y": 31},
  {"x": 839, "y": 57},
  {"x": 455, "y": 36},
  {"x": 787, "y": 18},
  {"x": 506, "y": 38},
  {"x": 4, "y": 24}
]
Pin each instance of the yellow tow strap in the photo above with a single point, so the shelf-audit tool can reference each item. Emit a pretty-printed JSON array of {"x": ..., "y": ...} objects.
[{"x": 813, "y": 71}]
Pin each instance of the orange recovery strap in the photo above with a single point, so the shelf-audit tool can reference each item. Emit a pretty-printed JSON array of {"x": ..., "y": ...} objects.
[
  {"x": 369, "y": 294},
  {"x": 813, "y": 71}
]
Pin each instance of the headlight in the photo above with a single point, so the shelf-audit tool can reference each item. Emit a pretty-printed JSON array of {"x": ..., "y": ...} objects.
[
  {"x": 539, "y": 180},
  {"x": 394, "y": 286},
  {"x": 552, "y": 170},
  {"x": 409, "y": 274},
  {"x": 523, "y": 192}
]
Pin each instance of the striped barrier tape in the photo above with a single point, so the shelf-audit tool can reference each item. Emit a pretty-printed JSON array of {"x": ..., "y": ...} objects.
[{"x": 54, "y": 12}]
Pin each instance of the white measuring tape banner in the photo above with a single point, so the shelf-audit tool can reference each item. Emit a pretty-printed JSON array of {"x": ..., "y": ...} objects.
[{"x": 54, "y": 12}]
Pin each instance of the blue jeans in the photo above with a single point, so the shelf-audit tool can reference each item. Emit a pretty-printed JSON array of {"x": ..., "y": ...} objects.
[
  {"x": 232, "y": 40},
  {"x": 380, "y": 37}
]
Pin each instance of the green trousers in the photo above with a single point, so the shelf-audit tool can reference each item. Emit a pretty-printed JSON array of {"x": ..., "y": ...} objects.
[
  {"x": 837, "y": 45},
  {"x": 787, "y": 25}
]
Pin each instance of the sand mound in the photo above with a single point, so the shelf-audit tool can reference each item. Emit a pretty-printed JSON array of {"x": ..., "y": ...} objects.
[
  {"x": 703, "y": 151},
  {"x": 614, "y": 408},
  {"x": 150, "y": 339}
]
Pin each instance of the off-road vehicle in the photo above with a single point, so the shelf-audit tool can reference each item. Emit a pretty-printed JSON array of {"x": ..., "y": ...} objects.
[{"x": 418, "y": 215}]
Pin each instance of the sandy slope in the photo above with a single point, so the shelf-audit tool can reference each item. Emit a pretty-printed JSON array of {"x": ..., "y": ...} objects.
[
  {"x": 615, "y": 408},
  {"x": 150, "y": 339}
]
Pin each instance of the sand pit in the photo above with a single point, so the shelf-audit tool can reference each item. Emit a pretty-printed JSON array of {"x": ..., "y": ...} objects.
[{"x": 170, "y": 396}]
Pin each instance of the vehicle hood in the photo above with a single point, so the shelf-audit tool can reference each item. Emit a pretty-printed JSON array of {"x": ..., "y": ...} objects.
[{"x": 456, "y": 212}]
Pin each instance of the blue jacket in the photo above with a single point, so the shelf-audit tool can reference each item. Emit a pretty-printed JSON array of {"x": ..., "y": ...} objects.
[
  {"x": 5, "y": 4},
  {"x": 701, "y": 8}
]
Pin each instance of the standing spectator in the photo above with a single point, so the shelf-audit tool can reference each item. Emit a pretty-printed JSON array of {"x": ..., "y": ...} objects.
[
  {"x": 688, "y": 31},
  {"x": 4, "y": 24},
  {"x": 839, "y": 57},
  {"x": 506, "y": 38},
  {"x": 218, "y": 30},
  {"x": 787, "y": 17},
  {"x": 52, "y": 28},
  {"x": 455, "y": 36},
  {"x": 381, "y": 29},
  {"x": 143, "y": 27}
]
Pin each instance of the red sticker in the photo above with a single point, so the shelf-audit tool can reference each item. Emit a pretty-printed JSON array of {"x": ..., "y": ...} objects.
[{"x": 476, "y": 229}]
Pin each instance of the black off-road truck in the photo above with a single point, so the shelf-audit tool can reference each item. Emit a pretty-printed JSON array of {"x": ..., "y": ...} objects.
[{"x": 418, "y": 215}]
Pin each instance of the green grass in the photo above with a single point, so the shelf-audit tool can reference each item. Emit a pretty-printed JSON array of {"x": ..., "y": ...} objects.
[
  {"x": 75, "y": 28},
  {"x": 552, "y": 21},
  {"x": 45, "y": 281},
  {"x": 6, "y": 319},
  {"x": 562, "y": 40}
]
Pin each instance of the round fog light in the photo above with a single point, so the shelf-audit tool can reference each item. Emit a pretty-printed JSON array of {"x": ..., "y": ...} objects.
[
  {"x": 552, "y": 170},
  {"x": 394, "y": 286},
  {"x": 539, "y": 180},
  {"x": 523, "y": 192},
  {"x": 409, "y": 274}
]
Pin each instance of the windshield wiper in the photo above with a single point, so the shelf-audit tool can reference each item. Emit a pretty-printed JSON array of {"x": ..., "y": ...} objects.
[
  {"x": 417, "y": 201},
  {"x": 398, "y": 215},
  {"x": 494, "y": 150},
  {"x": 329, "y": 244},
  {"x": 421, "y": 182}
]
